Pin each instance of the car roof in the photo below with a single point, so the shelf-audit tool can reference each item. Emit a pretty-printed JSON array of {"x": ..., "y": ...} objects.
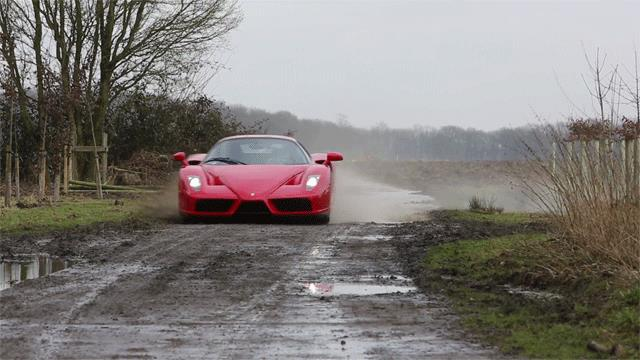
[
  {"x": 259, "y": 136},
  {"x": 262, "y": 136}
]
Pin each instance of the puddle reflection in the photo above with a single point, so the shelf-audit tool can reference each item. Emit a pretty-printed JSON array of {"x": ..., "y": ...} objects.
[
  {"x": 364, "y": 237},
  {"x": 357, "y": 289},
  {"x": 25, "y": 267}
]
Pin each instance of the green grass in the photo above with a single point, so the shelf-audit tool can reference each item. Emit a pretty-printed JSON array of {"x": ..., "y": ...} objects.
[
  {"x": 503, "y": 218},
  {"x": 65, "y": 215},
  {"x": 489, "y": 260},
  {"x": 473, "y": 274}
]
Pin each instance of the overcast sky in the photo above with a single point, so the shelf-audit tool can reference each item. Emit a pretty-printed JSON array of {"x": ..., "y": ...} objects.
[{"x": 474, "y": 64}]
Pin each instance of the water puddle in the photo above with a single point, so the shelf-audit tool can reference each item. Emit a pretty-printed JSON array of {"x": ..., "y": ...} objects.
[
  {"x": 364, "y": 237},
  {"x": 24, "y": 267},
  {"x": 356, "y": 289},
  {"x": 386, "y": 278}
]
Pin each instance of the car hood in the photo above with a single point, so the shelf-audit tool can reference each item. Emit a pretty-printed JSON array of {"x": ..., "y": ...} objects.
[{"x": 259, "y": 180}]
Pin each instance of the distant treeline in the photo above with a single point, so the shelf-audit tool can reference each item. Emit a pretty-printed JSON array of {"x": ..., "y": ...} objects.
[
  {"x": 383, "y": 142},
  {"x": 161, "y": 124}
]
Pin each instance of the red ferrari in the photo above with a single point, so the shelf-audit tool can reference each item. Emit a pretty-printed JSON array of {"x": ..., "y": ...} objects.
[{"x": 256, "y": 175}]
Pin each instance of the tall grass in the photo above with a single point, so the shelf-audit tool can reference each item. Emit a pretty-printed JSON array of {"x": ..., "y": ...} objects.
[
  {"x": 484, "y": 205},
  {"x": 587, "y": 182}
]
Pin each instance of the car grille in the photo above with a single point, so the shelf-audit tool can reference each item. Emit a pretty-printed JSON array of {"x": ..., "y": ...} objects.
[
  {"x": 294, "y": 204},
  {"x": 252, "y": 207},
  {"x": 213, "y": 205}
]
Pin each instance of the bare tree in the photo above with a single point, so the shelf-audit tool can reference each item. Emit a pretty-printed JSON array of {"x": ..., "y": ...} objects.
[
  {"x": 9, "y": 16},
  {"x": 42, "y": 118},
  {"x": 98, "y": 50},
  {"x": 155, "y": 42}
]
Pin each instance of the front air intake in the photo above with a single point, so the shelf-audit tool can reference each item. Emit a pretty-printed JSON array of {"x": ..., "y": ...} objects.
[
  {"x": 253, "y": 208},
  {"x": 292, "y": 205},
  {"x": 213, "y": 205}
]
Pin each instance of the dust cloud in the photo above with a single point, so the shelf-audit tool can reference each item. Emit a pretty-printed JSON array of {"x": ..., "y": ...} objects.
[
  {"x": 365, "y": 194},
  {"x": 360, "y": 199},
  {"x": 164, "y": 204},
  {"x": 451, "y": 184},
  {"x": 355, "y": 199}
]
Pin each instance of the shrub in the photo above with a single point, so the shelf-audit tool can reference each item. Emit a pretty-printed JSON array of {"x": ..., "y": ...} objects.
[
  {"x": 483, "y": 205},
  {"x": 164, "y": 125},
  {"x": 585, "y": 183}
]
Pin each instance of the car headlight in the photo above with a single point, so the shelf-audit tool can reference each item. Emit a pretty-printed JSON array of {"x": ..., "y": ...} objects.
[
  {"x": 195, "y": 183},
  {"x": 312, "y": 182}
]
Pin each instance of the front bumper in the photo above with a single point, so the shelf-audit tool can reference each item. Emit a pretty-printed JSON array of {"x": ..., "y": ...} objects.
[{"x": 224, "y": 203}]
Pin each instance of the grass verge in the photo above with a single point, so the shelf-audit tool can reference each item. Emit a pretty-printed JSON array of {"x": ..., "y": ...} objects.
[
  {"x": 506, "y": 293},
  {"x": 66, "y": 215}
]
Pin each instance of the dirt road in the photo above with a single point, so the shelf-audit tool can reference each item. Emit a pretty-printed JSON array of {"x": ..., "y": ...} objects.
[{"x": 230, "y": 291}]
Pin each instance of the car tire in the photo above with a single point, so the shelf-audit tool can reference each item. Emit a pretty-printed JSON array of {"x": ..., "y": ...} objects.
[
  {"x": 187, "y": 219},
  {"x": 322, "y": 219}
]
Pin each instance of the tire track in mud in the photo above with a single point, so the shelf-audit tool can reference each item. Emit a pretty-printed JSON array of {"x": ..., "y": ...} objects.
[
  {"x": 276, "y": 294},
  {"x": 357, "y": 323},
  {"x": 79, "y": 287},
  {"x": 229, "y": 291},
  {"x": 51, "y": 340}
]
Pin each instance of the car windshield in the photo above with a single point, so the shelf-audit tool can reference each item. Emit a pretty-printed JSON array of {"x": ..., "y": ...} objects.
[{"x": 253, "y": 151}]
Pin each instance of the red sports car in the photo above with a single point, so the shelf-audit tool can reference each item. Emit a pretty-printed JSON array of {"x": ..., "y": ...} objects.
[{"x": 256, "y": 175}]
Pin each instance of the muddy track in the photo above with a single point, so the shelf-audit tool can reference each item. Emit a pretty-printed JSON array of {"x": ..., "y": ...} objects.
[{"x": 231, "y": 291}]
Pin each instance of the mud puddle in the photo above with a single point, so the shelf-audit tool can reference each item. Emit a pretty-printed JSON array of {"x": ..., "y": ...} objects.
[
  {"x": 364, "y": 286},
  {"x": 29, "y": 266},
  {"x": 364, "y": 237},
  {"x": 355, "y": 289}
]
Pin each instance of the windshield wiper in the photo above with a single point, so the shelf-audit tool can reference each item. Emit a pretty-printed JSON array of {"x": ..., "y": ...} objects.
[{"x": 226, "y": 160}]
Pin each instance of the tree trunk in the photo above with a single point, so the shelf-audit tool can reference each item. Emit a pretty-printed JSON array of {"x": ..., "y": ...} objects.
[
  {"x": 102, "y": 103},
  {"x": 98, "y": 177},
  {"x": 42, "y": 120}
]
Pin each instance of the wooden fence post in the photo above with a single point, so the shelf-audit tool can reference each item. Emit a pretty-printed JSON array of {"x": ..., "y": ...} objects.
[
  {"x": 42, "y": 174},
  {"x": 610, "y": 158},
  {"x": 623, "y": 167},
  {"x": 636, "y": 169},
  {"x": 73, "y": 164},
  {"x": 597, "y": 162},
  {"x": 7, "y": 176},
  {"x": 56, "y": 184},
  {"x": 65, "y": 169},
  {"x": 628, "y": 166},
  {"x": 583, "y": 158},
  {"x": 571, "y": 157},
  {"x": 104, "y": 156},
  {"x": 17, "y": 178}
]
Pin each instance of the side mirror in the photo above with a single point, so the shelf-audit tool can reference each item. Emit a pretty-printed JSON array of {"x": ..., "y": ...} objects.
[
  {"x": 334, "y": 156},
  {"x": 195, "y": 159},
  {"x": 319, "y": 158},
  {"x": 180, "y": 157}
]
